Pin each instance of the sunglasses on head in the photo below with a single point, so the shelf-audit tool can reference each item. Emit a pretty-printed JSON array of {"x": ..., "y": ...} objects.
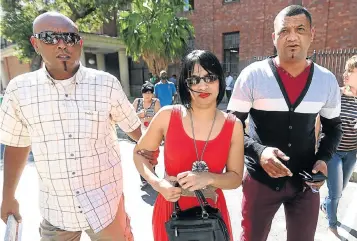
[
  {"x": 194, "y": 80},
  {"x": 49, "y": 37}
]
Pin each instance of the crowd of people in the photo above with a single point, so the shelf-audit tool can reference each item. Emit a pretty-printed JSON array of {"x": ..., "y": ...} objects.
[{"x": 66, "y": 113}]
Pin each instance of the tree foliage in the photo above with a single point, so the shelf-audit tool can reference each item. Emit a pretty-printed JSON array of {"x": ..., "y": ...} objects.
[
  {"x": 154, "y": 31},
  {"x": 18, "y": 16}
]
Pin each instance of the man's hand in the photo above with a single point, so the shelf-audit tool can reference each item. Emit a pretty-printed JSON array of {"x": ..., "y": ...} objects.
[
  {"x": 151, "y": 156},
  {"x": 272, "y": 165},
  {"x": 8, "y": 207},
  {"x": 320, "y": 166}
]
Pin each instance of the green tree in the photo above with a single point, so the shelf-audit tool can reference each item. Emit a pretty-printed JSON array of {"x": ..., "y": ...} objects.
[
  {"x": 18, "y": 16},
  {"x": 154, "y": 31}
]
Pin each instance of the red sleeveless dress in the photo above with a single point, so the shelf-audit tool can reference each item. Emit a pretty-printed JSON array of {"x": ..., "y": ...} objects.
[{"x": 179, "y": 155}]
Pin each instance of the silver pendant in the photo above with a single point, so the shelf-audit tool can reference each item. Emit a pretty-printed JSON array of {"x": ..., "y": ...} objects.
[{"x": 200, "y": 166}]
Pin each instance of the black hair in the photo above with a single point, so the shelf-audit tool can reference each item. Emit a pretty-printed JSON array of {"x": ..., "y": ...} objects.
[
  {"x": 294, "y": 10},
  {"x": 147, "y": 87},
  {"x": 174, "y": 75},
  {"x": 210, "y": 63}
]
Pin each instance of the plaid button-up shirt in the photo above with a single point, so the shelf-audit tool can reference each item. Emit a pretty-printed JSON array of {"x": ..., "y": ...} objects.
[{"x": 70, "y": 125}]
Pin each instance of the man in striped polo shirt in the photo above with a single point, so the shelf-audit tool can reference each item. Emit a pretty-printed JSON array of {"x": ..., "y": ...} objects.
[{"x": 283, "y": 95}]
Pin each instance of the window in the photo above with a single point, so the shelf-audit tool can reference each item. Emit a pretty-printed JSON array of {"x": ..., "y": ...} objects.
[
  {"x": 190, "y": 5},
  {"x": 231, "y": 52}
]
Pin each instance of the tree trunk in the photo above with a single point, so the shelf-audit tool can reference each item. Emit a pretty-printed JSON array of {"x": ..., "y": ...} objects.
[
  {"x": 36, "y": 62},
  {"x": 155, "y": 63}
]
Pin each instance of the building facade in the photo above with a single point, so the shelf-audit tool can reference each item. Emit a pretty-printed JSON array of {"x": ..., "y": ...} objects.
[{"x": 236, "y": 30}]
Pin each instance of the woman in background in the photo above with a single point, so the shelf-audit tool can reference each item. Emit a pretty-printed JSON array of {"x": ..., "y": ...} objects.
[
  {"x": 146, "y": 107},
  {"x": 342, "y": 163}
]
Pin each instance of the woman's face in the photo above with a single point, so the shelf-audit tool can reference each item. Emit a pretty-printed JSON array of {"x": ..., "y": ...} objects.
[
  {"x": 350, "y": 78},
  {"x": 148, "y": 95},
  {"x": 205, "y": 90}
]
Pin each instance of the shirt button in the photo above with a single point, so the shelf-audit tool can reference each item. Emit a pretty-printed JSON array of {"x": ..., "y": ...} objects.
[
  {"x": 70, "y": 135},
  {"x": 79, "y": 206},
  {"x": 289, "y": 145},
  {"x": 277, "y": 188},
  {"x": 291, "y": 109},
  {"x": 80, "y": 211},
  {"x": 73, "y": 173},
  {"x": 66, "y": 95},
  {"x": 72, "y": 154},
  {"x": 290, "y": 127},
  {"x": 77, "y": 192}
]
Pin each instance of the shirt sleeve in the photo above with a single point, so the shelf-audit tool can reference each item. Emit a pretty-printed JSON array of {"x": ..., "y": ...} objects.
[
  {"x": 242, "y": 94},
  {"x": 156, "y": 92},
  {"x": 13, "y": 131},
  {"x": 331, "y": 122},
  {"x": 240, "y": 104},
  {"x": 122, "y": 111},
  {"x": 173, "y": 88}
]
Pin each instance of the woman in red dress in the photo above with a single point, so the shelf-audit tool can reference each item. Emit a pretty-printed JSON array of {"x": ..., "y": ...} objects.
[{"x": 200, "y": 142}]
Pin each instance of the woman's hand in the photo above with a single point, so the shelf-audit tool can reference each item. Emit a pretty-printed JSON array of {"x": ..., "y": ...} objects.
[
  {"x": 168, "y": 190},
  {"x": 141, "y": 114},
  {"x": 194, "y": 180}
]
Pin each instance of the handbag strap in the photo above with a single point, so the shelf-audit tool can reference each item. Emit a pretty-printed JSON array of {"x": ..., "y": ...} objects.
[{"x": 201, "y": 199}]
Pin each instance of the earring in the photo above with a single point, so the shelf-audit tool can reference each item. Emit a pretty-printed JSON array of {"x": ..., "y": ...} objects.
[{"x": 348, "y": 88}]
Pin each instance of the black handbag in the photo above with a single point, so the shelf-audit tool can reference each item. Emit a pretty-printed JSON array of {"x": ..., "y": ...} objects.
[{"x": 200, "y": 223}]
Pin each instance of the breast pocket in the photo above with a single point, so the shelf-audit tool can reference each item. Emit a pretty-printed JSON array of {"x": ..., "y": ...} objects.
[{"x": 92, "y": 124}]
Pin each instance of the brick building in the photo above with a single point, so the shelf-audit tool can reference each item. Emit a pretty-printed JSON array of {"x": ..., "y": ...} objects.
[{"x": 237, "y": 30}]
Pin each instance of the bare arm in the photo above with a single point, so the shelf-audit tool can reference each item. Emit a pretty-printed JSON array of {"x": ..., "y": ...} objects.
[
  {"x": 151, "y": 141},
  {"x": 233, "y": 176},
  {"x": 15, "y": 159},
  {"x": 136, "y": 134}
]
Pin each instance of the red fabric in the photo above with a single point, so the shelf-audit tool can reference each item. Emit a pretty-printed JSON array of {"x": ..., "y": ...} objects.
[
  {"x": 179, "y": 155},
  {"x": 293, "y": 85}
]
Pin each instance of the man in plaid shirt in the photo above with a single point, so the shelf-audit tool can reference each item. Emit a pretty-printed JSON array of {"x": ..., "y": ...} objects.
[{"x": 67, "y": 114}]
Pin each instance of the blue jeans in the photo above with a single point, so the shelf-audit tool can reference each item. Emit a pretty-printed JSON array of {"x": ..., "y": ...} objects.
[{"x": 340, "y": 169}]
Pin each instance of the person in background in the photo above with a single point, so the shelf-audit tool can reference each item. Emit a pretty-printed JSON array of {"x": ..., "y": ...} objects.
[
  {"x": 173, "y": 79},
  {"x": 341, "y": 165},
  {"x": 229, "y": 85},
  {"x": 146, "y": 107},
  {"x": 200, "y": 142},
  {"x": 165, "y": 90}
]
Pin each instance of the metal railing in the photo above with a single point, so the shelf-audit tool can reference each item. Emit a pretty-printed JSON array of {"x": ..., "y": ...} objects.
[{"x": 333, "y": 60}]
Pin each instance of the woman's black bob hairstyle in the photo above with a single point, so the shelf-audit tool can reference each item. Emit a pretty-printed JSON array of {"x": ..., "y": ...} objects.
[
  {"x": 210, "y": 63},
  {"x": 147, "y": 87}
]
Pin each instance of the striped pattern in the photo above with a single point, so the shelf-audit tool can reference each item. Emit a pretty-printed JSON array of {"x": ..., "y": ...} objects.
[{"x": 349, "y": 122}]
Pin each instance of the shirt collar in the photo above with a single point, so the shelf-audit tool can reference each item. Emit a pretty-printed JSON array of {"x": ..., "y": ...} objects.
[{"x": 79, "y": 75}]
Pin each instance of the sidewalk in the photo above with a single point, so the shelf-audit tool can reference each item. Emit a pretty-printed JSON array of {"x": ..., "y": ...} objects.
[{"x": 139, "y": 205}]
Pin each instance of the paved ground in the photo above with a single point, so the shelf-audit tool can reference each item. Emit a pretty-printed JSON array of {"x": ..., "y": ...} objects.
[{"x": 139, "y": 206}]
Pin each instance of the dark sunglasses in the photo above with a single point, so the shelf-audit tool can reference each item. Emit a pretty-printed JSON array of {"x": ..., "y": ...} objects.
[
  {"x": 194, "y": 80},
  {"x": 49, "y": 37}
]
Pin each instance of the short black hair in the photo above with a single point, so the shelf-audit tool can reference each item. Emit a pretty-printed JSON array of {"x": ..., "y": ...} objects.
[
  {"x": 210, "y": 63},
  {"x": 147, "y": 87},
  {"x": 294, "y": 10}
]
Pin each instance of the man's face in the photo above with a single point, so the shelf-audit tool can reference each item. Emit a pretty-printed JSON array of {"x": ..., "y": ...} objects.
[
  {"x": 292, "y": 37},
  {"x": 163, "y": 75},
  {"x": 58, "y": 55}
]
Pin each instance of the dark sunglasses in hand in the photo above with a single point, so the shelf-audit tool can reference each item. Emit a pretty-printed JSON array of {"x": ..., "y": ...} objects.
[
  {"x": 194, "y": 80},
  {"x": 49, "y": 37}
]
